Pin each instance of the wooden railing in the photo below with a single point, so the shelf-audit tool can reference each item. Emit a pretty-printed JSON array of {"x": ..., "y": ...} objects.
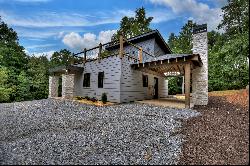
[{"x": 100, "y": 51}]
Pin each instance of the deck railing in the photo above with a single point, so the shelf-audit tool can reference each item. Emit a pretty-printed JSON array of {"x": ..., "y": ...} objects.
[{"x": 101, "y": 51}]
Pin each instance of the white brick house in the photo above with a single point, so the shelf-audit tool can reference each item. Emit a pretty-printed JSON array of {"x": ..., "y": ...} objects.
[{"x": 135, "y": 69}]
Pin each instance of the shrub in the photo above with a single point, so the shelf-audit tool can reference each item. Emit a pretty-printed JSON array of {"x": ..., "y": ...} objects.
[
  {"x": 87, "y": 98},
  {"x": 104, "y": 98},
  {"x": 79, "y": 97},
  {"x": 93, "y": 99}
]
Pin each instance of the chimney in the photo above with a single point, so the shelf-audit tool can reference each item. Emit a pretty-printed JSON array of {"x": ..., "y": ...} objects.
[{"x": 200, "y": 74}]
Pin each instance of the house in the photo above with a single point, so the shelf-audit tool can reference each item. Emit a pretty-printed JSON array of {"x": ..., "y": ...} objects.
[{"x": 135, "y": 69}]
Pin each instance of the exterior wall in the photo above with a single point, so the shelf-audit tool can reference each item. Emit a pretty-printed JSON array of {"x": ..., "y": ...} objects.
[
  {"x": 111, "y": 66},
  {"x": 147, "y": 45},
  {"x": 68, "y": 81},
  {"x": 132, "y": 84},
  {"x": 121, "y": 82},
  {"x": 53, "y": 86},
  {"x": 157, "y": 50},
  {"x": 200, "y": 74}
]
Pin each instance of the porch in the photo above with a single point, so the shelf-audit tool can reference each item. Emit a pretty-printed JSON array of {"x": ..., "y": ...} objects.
[{"x": 171, "y": 65}]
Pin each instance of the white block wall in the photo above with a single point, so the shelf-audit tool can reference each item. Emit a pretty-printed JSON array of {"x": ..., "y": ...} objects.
[{"x": 111, "y": 67}]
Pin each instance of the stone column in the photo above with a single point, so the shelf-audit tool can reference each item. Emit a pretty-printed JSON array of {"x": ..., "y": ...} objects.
[
  {"x": 68, "y": 81},
  {"x": 53, "y": 86},
  {"x": 200, "y": 74}
]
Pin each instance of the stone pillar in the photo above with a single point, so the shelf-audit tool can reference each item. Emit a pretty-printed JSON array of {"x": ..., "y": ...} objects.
[
  {"x": 68, "y": 81},
  {"x": 200, "y": 74},
  {"x": 53, "y": 86}
]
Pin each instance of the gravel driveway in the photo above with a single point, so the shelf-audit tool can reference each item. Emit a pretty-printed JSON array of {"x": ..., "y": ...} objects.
[{"x": 65, "y": 132}]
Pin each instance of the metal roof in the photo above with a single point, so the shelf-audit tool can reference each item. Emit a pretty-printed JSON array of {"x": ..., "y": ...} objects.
[
  {"x": 166, "y": 57},
  {"x": 63, "y": 68},
  {"x": 148, "y": 35}
]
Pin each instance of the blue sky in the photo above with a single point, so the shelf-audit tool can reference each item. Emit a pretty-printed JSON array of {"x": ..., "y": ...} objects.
[{"x": 45, "y": 26}]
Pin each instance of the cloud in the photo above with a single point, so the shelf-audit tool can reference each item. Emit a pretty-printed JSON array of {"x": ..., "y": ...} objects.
[
  {"x": 40, "y": 46},
  {"x": 88, "y": 40},
  {"x": 161, "y": 15},
  {"x": 48, "y": 54},
  {"x": 56, "y": 19},
  {"x": 200, "y": 12}
]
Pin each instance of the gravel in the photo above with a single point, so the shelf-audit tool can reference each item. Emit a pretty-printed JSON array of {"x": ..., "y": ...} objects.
[{"x": 53, "y": 131}]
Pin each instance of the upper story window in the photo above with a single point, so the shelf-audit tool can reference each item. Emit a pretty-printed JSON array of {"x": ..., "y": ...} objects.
[
  {"x": 145, "y": 80},
  {"x": 86, "y": 80},
  {"x": 100, "y": 79}
]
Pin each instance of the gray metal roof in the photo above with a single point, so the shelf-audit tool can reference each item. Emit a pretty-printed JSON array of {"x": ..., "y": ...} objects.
[
  {"x": 166, "y": 57},
  {"x": 63, "y": 68}
]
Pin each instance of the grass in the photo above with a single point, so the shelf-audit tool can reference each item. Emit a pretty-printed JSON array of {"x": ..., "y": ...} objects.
[{"x": 223, "y": 93}]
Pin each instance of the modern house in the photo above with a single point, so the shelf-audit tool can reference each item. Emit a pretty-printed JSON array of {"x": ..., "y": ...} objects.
[{"x": 136, "y": 69}]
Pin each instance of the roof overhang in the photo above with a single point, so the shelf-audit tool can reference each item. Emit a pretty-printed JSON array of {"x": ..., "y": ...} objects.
[
  {"x": 169, "y": 63},
  {"x": 154, "y": 34},
  {"x": 71, "y": 69}
]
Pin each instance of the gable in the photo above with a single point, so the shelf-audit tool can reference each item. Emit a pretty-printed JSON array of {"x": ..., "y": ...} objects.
[{"x": 160, "y": 46}]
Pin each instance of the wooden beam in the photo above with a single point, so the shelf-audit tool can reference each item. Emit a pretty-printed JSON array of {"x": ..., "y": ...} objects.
[
  {"x": 121, "y": 46},
  {"x": 140, "y": 55},
  {"x": 85, "y": 55},
  {"x": 152, "y": 72},
  {"x": 187, "y": 85},
  {"x": 100, "y": 51}
]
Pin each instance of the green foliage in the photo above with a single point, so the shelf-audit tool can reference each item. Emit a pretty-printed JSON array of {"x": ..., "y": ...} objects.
[
  {"x": 182, "y": 44},
  {"x": 5, "y": 91},
  {"x": 174, "y": 85},
  {"x": 63, "y": 57},
  {"x": 38, "y": 72},
  {"x": 105, "y": 53},
  {"x": 228, "y": 52},
  {"x": 133, "y": 26},
  {"x": 104, "y": 98},
  {"x": 23, "y": 87},
  {"x": 93, "y": 99}
]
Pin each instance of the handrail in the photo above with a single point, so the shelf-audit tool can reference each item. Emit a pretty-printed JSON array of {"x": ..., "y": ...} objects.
[
  {"x": 138, "y": 47},
  {"x": 100, "y": 46}
]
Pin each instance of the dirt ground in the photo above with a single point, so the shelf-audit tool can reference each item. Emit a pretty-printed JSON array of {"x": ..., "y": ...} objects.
[{"x": 220, "y": 136}]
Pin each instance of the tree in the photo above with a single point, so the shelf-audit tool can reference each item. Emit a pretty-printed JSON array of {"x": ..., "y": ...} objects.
[
  {"x": 39, "y": 76},
  {"x": 182, "y": 44},
  {"x": 5, "y": 91},
  {"x": 23, "y": 87},
  {"x": 235, "y": 17},
  {"x": 133, "y": 26},
  {"x": 63, "y": 57}
]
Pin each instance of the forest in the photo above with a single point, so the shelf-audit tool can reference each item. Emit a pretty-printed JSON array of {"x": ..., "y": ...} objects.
[{"x": 25, "y": 77}]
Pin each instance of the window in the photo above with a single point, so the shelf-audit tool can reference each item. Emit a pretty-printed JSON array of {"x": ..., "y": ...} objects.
[
  {"x": 145, "y": 80},
  {"x": 86, "y": 80},
  {"x": 100, "y": 79}
]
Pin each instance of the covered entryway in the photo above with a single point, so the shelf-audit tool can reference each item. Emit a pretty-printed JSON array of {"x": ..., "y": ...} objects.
[
  {"x": 67, "y": 75},
  {"x": 171, "y": 64}
]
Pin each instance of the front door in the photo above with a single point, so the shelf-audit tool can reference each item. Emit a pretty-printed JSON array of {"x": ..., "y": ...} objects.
[{"x": 155, "y": 88}]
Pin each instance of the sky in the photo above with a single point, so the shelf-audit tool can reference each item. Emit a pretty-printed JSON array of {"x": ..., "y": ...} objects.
[{"x": 45, "y": 26}]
